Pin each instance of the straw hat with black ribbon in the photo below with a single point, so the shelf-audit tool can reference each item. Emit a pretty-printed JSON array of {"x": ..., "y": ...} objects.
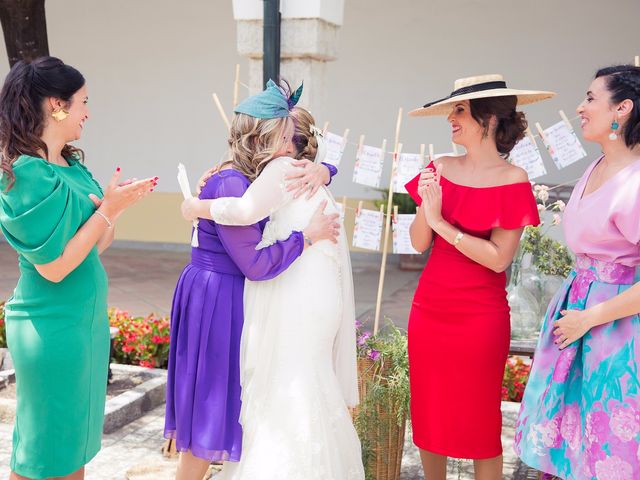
[{"x": 481, "y": 86}]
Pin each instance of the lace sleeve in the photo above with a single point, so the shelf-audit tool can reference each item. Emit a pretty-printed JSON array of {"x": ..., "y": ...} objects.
[{"x": 265, "y": 195}]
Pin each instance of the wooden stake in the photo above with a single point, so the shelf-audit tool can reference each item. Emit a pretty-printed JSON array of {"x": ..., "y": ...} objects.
[
  {"x": 387, "y": 226},
  {"x": 225, "y": 119},
  {"x": 398, "y": 124},
  {"x": 236, "y": 86}
]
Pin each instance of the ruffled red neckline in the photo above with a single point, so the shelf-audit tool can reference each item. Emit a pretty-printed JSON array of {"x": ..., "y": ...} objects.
[{"x": 507, "y": 206}]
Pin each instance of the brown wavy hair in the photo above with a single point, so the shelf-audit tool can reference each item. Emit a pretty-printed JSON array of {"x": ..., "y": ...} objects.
[
  {"x": 22, "y": 111},
  {"x": 304, "y": 141}
]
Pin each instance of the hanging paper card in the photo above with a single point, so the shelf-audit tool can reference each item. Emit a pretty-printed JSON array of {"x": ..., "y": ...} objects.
[
  {"x": 563, "y": 144},
  {"x": 368, "y": 168},
  {"x": 368, "y": 229},
  {"x": 401, "y": 238},
  {"x": 335, "y": 148},
  {"x": 526, "y": 154},
  {"x": 408, "y": 166}
]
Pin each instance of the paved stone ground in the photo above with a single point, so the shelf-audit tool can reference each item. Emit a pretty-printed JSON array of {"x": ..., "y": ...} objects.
[
  {"x": 142, "y": 281},
  {"x": 139, "y": 444}
]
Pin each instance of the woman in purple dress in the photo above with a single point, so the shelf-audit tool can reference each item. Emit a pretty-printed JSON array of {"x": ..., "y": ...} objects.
[{"x": 203, "y": 387}]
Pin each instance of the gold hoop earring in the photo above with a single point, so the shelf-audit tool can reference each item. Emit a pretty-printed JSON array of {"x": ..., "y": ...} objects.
[{"x": 59, "y": 115}]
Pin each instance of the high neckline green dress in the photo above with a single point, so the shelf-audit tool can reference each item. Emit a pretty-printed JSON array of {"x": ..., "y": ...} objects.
[{"x": 58, "y": 333}]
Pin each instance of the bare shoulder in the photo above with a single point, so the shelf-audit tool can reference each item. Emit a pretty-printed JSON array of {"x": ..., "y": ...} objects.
[
  {"x": 447, "y": 163},
  {"x": 514, "y": 174}
]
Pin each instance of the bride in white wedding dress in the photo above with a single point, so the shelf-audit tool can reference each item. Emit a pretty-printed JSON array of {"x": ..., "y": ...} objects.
[{"x": 298, "y": 348}]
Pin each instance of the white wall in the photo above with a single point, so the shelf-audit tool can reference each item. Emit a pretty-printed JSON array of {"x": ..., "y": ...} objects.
[
  {"x": 152, "y": 65},
  {"x": 405, "y": 53}
]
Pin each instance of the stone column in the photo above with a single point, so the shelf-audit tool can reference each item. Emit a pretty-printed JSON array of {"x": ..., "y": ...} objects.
[{"x": 308, "y": 41}]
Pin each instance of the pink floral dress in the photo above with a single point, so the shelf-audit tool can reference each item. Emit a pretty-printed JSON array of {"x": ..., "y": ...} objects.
[{"x": 580, "y": 415}]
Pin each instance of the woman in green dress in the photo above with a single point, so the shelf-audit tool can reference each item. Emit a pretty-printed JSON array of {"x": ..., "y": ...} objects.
[{"x": 58, "y": 219}]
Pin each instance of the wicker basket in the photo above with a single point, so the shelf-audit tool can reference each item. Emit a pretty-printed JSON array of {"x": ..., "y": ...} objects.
[{"x": 386, "y": 439}]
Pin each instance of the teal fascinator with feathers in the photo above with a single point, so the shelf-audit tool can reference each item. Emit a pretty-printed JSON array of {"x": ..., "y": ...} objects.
[{"x": 272, "y": 102}]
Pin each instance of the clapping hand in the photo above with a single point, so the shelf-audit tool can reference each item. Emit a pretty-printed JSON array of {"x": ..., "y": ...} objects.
[{"x": 430, "y": 191}]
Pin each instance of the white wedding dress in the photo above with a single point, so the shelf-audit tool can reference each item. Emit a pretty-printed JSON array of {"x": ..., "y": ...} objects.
[{"x": 298, "y": 349}]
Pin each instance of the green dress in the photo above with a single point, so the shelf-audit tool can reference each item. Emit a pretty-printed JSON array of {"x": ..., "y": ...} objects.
[{"x": 58, "y": 333}]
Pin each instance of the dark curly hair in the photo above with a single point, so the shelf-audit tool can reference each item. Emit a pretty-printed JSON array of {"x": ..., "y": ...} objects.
[
  {"x": 511, "y": 124},
  {"x": 623, "y": 82},
  {"x": 22, "y": 116}
]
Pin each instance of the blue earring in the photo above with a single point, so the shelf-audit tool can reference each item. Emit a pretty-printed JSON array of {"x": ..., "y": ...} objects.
[{"x": 614, "y": 127}]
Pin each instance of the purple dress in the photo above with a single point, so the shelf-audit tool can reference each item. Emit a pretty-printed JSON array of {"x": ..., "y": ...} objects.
[{"x": 203, "y": 385}]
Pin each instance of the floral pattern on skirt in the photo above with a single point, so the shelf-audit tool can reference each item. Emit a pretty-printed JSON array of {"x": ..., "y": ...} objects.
[{"x": 580, "y": 415}]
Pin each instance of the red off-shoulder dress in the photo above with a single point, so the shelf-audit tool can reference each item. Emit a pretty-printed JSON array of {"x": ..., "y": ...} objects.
[{"x": 459, "y": 326}]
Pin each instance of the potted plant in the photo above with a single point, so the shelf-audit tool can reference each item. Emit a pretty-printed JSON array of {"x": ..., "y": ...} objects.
[
  {"x": 538, "y": 269},
  {"x": 380, "y": 419}
]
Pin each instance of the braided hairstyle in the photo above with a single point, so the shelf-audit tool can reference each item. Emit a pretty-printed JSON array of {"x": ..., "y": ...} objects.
[
  {"x": 304, "y": 141},
  {"x": 22, "y": 112},
  {"x": 623, "y": 83},
  {"x": 511, "y": 124}
]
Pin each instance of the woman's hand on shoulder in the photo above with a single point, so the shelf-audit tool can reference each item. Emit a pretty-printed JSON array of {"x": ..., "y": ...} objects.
[
  {"x": 202, "y": 181},
  {"x": 307, "y": 178}
]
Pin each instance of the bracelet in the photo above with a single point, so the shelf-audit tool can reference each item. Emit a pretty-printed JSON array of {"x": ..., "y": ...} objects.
[
  {"x": 307, "y": 240},
  {"x": 106, "y": 219},
  {"x": 459, "y": 236}
]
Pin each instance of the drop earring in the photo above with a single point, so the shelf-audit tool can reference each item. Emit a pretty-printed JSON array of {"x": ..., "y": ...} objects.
[
  {"x": 59, "y": 115},
  {"x": 614, "y": 128}
]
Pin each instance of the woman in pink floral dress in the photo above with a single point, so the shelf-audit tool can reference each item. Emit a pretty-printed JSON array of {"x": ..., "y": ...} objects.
[{"x": 580, "y": 416}]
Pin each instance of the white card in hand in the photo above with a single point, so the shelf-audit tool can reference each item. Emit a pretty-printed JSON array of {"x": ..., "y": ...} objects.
[{"x": 183, "y": 181}]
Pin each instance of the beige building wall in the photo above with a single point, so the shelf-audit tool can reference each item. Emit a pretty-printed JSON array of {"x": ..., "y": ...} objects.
[{"x": 152, "y": 65}]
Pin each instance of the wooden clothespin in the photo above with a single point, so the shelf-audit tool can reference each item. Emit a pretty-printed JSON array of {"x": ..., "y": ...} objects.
[
  {"x": 325, "y": 128},
  {"x": 395, "y": 214},
  {"x": 637, "y": 61},
  {"x": 565, "y": 119},
  {"x": 431, "y": 154},
  {"x": 345, "y": 135},
  {"x": 455, "y": 148},
  {"x": 360, "y": 145},
  {"x": 383, "y": 148},
  {"x": 422, "y": 149},
  {"x": 540, "y": 132},
  {"x": 359, "y": 209}
]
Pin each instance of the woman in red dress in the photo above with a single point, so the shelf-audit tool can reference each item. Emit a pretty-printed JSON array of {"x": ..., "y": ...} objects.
[{"x": 473, "y": 210}]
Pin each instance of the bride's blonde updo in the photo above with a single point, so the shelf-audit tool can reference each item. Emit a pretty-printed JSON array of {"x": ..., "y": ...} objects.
[
  {"x": 253, "y": 142},
  {"x": 304, "y": 141}
]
